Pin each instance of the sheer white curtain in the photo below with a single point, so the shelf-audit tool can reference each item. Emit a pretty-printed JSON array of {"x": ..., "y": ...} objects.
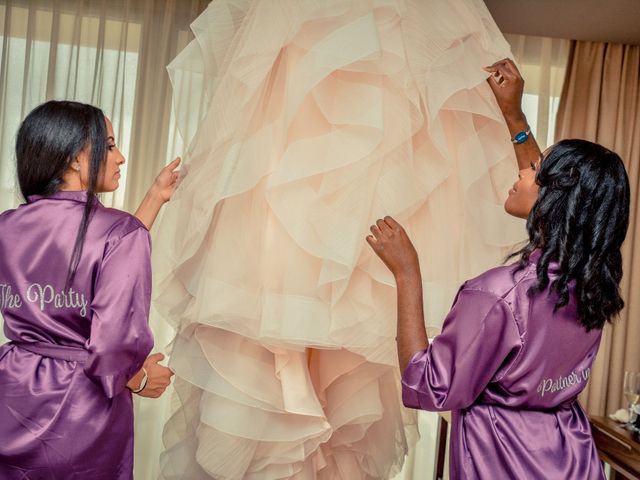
[
  {"x": 111, "y": 54},
  {"x": 542, "y": 62}
]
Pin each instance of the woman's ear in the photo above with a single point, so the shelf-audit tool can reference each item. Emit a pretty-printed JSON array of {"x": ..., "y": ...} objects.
[{"x": 81, "y": 161}]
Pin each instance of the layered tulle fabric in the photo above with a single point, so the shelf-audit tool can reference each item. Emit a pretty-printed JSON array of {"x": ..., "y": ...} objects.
[{"x": 305, "y": 122}]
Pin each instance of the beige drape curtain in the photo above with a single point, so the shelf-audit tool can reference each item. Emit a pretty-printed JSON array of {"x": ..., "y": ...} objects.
[{"x": 601, "y": 102}]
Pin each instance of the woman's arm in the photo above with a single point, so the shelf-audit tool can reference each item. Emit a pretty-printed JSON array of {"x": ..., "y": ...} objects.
[
  {"x": 411, "y": 333},
  {"x": 508, "y": 86},
  {"x": 391, "y": 243},
  {"x": 159, "y": 193},
  {"x": 478, "y": 334},
  {"x": 120, "y": 337}
]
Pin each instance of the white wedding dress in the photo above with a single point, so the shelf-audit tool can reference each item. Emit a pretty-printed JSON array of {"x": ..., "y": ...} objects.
[{"x": 306, "y": 121}]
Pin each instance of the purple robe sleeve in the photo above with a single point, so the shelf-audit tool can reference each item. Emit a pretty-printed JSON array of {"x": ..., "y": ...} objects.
[
  {"x": 120, "y": 336},
  {"x": 477, "y": 336}
]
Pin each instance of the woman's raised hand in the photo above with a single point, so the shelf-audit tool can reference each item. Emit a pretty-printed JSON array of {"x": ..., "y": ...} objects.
[
  {"x": 508, "y": 86},
  {"x": 160, "y": 192},
  {"x": 166, "y": 181},
  {"x": 390, "y": 242}
]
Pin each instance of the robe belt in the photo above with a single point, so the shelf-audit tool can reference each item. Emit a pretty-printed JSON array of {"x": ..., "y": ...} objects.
[
  {"x": 569, "y": 403},
  {"x": 51, "y": 350}
]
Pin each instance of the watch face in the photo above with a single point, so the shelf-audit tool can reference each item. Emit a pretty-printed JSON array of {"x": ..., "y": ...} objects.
[{"x": 521, "y": 137}]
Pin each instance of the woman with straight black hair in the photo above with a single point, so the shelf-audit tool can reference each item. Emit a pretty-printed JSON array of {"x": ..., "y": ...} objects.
[
  {"x": 75, "y": 286},
  {"x": 517, "y": 346}
]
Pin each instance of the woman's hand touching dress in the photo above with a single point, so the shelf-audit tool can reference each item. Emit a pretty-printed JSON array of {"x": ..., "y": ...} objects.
[{"x": 159, "y": 193}]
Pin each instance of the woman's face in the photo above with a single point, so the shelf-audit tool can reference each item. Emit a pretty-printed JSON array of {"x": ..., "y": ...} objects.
[
  {"x": 109, "y": 173},
  {"x": 524, "y": 192}
]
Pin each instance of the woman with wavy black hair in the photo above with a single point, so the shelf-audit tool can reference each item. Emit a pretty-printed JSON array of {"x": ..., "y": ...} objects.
[
  {"x": 517, "y": 346},
  {"x": 75, "y": 286}
]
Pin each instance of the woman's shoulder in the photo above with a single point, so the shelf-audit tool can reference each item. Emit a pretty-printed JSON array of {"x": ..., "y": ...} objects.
[
  {"x": 498, "y": 281},
  {"x": 5, "y": 215},
  {"x": 10, "y": 214},
  {"x": 117, "y": 223}
]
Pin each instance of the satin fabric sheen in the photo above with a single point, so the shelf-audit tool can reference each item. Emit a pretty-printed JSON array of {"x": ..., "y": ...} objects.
[
  {"x": 64, "y": 410},
  {"x": 510, "y": 369}
]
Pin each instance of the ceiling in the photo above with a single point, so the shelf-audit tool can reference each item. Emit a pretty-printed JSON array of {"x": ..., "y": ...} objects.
[{"x": 615, "y": 21}]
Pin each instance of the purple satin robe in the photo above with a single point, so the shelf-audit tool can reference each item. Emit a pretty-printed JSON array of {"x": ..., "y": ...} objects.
[
  {"x": 64, "y": 410},
  {"x": 510, "y": 369}
]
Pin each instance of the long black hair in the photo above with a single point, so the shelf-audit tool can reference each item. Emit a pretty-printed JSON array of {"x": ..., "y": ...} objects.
[
  {"x": 49, "y": 139},
  {"x": 580, "y": 220}
]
